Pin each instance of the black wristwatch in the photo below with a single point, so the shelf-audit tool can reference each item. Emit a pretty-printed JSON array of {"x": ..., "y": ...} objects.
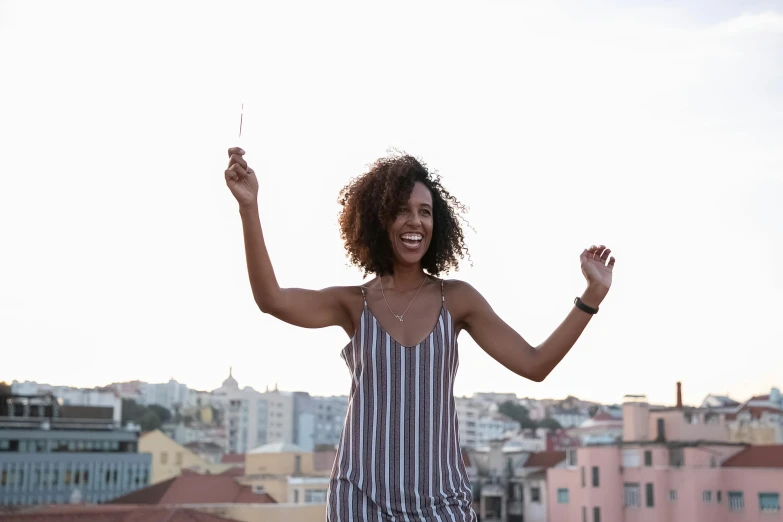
[{"x": 589, "y": 309}]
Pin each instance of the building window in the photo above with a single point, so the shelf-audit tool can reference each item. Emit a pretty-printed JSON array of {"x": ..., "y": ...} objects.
[
  {"x": 718, "y": 496},
  {"x": 706, "y": 496},
  {"x": 736, "y": 501},
  {"x": 535, "y": 494},
  {"x": 315, "y": 496},
  {"x": 649, "y": 495},
  {"x": 630, "y": 458},
  {"x": 596, "y": 482},
  {"x": 584, "y": 514},
  {"x": 164, "y": 458},
  {"x": 648, "y": 458},
  {"x": 596, "y": 514},
  {"x": 769, "y": 502},
  {"x": 178, "y": 458},
  {"x": 672, "y": 495},
  {"x": 562, "y": 496},
  {"x": 632, "y": 495},
  {"x": 676, "y": 458},
  {"x": 296, "y": 496},
  {"x": 583, "y": 476},
  {"x": 571, "y": 457}
]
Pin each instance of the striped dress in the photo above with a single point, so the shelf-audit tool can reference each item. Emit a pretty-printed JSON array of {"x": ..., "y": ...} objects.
[{"x": 399, "y": 455}]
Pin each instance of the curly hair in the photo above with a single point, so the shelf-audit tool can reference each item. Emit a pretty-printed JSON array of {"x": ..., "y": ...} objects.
[{"x": 370, "y": 203}]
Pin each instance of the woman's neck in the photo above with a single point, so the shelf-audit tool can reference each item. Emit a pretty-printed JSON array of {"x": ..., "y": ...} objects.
[{"x": 404, "y": 277}]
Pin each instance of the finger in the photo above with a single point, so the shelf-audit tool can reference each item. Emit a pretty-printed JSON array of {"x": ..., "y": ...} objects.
[
  {"x": 605, "y": 254},
  {"x": 231, "y": 176},
  {"x": 235, "y": 150},
  {"x": 236, "y": 158},
  {"x": 236, "y": 167},
  {"x": 611, "y": 262}
]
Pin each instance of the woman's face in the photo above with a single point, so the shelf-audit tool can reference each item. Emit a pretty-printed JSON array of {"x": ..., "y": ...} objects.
[{"x": 411, "y": 230}]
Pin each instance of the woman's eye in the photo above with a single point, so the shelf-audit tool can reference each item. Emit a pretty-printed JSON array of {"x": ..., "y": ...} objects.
[
  {"x": 402, "y": 210},
  {"x": 426, "y": 212}
]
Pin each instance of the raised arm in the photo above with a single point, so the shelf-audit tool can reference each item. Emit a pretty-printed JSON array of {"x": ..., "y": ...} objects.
[
  {"x": 296, "y": 306},
  {"x": 507, "y": 347}
]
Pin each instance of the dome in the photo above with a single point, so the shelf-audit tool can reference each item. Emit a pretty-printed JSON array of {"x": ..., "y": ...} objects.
[{"x": 230, "y": 382}]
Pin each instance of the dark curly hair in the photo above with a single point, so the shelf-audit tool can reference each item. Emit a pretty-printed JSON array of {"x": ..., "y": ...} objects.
[{"x": 370, "y": 202}]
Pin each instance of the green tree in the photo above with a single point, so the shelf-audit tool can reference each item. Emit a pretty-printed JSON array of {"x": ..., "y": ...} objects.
[
  {"x": 592, "y": 410},
  {"x": 163, "y": 414},
  {"x": 149, "y": 418},
  {"x": 518, "y": 413},
  {"x": 5, "y": 388},
  {"x": 550, "y": 424}
]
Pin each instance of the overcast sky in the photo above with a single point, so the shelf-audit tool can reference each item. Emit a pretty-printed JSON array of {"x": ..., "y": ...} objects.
[{"x": 652, "y": 127}]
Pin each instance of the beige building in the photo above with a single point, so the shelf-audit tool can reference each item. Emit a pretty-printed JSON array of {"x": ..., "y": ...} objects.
[
  {"x": 169, "y": 458},
  {"x": 288, "y": 473}
]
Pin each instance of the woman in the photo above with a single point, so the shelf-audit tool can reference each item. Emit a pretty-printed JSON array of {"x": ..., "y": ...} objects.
[{"x": 399, "y": 456}]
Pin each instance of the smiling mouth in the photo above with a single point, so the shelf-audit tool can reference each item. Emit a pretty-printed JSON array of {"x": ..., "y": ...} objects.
[{"x": 411, "y": 240}]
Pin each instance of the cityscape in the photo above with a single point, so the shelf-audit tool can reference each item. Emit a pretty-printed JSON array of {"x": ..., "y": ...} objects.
[{"x": 236, "y": 453}]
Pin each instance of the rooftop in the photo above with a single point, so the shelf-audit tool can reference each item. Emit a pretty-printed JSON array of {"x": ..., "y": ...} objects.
[
  {"x": 545, "y": 459},
  {"x": 111, "y": 513},
  {"x": 770, "y": 456},
  {"x": 192, "y": 488}
]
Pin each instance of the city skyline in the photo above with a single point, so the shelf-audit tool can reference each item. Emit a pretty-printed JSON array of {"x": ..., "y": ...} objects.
[
  {"x": 124, "y": 256},
  {"x": 676, "y": 395}
]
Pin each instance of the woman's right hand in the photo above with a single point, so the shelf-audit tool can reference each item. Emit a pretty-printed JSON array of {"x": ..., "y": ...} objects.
[{"x": 240, "y": 178}]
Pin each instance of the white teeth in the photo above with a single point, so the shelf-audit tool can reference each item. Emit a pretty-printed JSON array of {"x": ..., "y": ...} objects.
[{"x": 412, "y": 237}]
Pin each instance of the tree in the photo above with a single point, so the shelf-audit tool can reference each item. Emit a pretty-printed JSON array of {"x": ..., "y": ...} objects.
[
  {"x": 163, "y": 414},
  {"x": 5, "y": 388},
  {"x": 149, "y": 418},
  {"x": 518, "y": 413},
  {"x": 550, "y": 424},
  {"x": 592, "y": 410}
]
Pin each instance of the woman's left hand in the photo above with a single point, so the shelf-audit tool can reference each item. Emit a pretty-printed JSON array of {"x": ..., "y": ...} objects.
[{"x": 597, "y": 267}]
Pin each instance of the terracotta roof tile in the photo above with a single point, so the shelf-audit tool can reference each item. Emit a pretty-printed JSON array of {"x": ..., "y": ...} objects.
[
  {"x": 770, "y": 456},
  {"x": 233, "y": 458},
  {"x": 545, "y": 459},
  {"x": 110, "y": 513},
  {"x": 195, "y": 489}
]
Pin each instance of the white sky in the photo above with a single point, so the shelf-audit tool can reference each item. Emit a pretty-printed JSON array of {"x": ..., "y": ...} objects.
[{"x": 654, "y": 128}]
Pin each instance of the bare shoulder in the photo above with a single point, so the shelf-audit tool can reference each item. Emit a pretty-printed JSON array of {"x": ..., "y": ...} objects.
[{"x": 461, "y": 298}]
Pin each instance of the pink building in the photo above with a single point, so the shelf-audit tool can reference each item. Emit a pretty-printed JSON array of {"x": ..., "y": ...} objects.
[{"x": 673, "y": 465}]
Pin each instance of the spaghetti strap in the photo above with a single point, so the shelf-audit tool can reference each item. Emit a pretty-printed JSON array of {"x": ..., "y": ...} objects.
[
  {"x": 442, "y": 295},
  {"x": 364, "y": 296}
]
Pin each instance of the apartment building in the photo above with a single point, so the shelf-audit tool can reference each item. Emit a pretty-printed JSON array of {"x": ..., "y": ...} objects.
[
  {"x": 53, "y": 454},
  {"x": 674, "y": 464}
]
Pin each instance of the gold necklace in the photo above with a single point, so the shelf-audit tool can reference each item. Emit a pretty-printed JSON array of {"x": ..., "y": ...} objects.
[{"x": 409, "y": 304}]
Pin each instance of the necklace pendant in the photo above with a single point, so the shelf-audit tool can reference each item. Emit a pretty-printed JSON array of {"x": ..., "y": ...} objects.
[{"x": 399, "y": 317}]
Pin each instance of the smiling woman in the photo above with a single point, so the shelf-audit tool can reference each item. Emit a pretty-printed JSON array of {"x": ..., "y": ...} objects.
[{"x": 399, "y": 454}]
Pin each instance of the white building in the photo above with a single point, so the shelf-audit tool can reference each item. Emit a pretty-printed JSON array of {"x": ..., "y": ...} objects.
[
  {"x": 569, "y": 418},
  {"x": 171, "y": 395},
  {"x": 495, "y": 427},
  {"x": 245, "y": 415},
  {"x": 69, "y": 396},
  {"x": 469, "y": 411}
]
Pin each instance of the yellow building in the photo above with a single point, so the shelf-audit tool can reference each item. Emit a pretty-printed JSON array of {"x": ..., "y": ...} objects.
[
  {"x": 288, "y": 473},
  {"x": 169, "y": 458}
]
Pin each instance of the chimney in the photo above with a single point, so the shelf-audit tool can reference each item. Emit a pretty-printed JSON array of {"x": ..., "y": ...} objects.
[{"x": 679, "y": 395}]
